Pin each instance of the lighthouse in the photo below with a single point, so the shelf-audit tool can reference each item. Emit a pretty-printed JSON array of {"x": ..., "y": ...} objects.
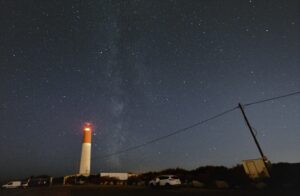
[{"x": 85, "y": 161}]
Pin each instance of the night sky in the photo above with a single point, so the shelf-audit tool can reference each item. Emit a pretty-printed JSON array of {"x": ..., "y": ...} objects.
[{"x": 139, "y": 70}]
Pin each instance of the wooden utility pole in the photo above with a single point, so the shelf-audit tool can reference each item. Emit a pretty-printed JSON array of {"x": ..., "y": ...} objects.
[
  {"x": 264, "y": 158},
  {"x": 252, "y": 133}
]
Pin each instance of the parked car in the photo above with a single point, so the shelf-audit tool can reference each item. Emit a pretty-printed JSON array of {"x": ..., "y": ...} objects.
[
  {"x": 165, "y": 180},
  {"x": 12, "y": 184}
]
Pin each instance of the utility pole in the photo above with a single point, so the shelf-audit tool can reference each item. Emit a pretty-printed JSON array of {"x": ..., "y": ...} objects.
[
  {"x": 264, "y": 158},
  {"x": 252, "y": 133}
]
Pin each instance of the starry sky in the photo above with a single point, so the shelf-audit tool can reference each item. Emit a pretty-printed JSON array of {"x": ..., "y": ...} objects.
[{"x": 139, "y": 70}]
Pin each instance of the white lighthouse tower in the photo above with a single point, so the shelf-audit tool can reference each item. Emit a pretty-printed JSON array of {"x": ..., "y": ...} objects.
[{"x": 85, "y": 162}]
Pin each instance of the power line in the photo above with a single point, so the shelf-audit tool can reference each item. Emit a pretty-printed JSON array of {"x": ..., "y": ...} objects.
[
  {"x": 271, "y": 99},
  {"x": 168, "y": 135},
  {"x": 191, "y": 126}
]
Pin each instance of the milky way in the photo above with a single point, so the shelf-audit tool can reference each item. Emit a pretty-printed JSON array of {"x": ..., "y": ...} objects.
[{"x": 139, "y": 70}]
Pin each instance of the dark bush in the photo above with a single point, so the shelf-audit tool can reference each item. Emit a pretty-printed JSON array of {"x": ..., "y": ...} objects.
[{"x": 58, "y": 181}]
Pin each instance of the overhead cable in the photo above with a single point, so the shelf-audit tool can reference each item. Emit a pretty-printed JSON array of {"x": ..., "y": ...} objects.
[
  {"x": 168, "y": 135},
  {"x": 273, "y": 98}
]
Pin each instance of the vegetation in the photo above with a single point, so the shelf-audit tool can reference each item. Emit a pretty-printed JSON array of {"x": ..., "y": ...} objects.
[{"x": 283, "y": 175}]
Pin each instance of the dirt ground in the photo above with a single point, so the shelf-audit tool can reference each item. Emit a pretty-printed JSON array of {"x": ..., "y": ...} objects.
[{"x": 138, "y": 191}]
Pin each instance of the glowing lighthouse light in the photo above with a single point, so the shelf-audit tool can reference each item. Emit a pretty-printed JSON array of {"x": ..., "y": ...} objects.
[
  {"x": 85, "y": 162},
  {"x": 87, "y": 128}
]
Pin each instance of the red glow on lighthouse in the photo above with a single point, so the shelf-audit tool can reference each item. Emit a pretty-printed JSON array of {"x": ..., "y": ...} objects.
[{"x": 87, "y": 136}]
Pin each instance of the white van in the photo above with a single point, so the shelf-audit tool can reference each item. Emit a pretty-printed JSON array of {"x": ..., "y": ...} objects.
[{"x": 12, "y": 184}]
